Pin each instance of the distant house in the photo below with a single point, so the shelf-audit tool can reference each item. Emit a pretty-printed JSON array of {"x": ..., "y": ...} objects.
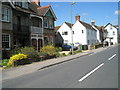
[
  {"x": 112, "y": 36},
  {"x": 83, "y": 33},
  {"x": 97, "y": 29}
]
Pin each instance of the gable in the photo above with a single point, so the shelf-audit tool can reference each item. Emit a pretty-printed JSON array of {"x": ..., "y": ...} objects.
[{"x": 49, "y": 14}]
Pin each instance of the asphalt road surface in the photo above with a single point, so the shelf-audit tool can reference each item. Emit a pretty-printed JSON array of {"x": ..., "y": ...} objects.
[{"x": 98, "y": 70}]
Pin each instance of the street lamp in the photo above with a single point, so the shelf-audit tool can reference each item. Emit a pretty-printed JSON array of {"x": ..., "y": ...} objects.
[{"x": 71, "y": 26}]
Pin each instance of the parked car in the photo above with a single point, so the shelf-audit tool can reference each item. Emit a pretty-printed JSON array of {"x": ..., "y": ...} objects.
[{"x": 68, "y": 48}]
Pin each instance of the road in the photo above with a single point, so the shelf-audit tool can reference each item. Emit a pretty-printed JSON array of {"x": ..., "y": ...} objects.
[{"x": 98, "y": 70}]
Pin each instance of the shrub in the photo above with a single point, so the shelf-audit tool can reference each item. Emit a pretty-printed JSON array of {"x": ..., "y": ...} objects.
[
  {"x": 14, "y": 51},
  {"x": 58, "y": 49},
  {"x": 29, "y": 51},
  {"x": 57, "y": 54},
  {"x": 16, "y": 57},
  {"x": 49, "y": 49},
  {"x": 77, "y": 51},
  {"x": 4, "y": 62}
]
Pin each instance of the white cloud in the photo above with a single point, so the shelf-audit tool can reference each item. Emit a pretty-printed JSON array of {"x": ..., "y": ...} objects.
[
  {"x": 84, "y": 14},
  {"x": 117, "y": 12}
]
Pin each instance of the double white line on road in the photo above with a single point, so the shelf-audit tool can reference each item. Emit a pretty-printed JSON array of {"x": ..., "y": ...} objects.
[
  {"x": 112, "y": 56},
  {"x": 84, "y": 77}
]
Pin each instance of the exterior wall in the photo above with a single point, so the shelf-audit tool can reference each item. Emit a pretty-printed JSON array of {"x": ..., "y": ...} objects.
[
  {"x": 0, "y": 31},
  {"x": 58, "y": 39},
  {"x": 110, "y": 30},
  {"x": 78, "y": 36},
  {"x": 7, "y": 27},
  {"x": 21, "y": 37},
  {"x": 98, "y": 34},
  {"x": 92, "y": 36},
  {"x": 65, "y": 28}
]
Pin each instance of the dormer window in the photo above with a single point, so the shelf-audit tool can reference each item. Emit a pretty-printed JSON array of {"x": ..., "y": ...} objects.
[{"x": 22, "y": 4}]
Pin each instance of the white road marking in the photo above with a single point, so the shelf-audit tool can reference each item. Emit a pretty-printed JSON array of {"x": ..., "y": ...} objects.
[
  {"x": 112, "y": 56},
  {"x": 84, "y": 77}
]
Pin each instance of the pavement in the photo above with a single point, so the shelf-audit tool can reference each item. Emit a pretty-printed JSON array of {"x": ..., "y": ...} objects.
[{"x": 31, "y": 68}]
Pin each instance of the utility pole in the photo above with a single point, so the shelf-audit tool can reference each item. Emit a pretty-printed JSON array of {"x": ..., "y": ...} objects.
[{"x": 71, "y": 25}]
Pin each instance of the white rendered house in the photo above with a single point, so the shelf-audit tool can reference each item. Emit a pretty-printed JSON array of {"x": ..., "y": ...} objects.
[
  {"x": 112, "y": 35},
  {"x": 83, "y": 33}
]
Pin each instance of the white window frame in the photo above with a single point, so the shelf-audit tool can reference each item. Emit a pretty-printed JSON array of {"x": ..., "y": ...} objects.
[
  {"x": 5, "y": 14},
  {"x": 7, "y": 41}
]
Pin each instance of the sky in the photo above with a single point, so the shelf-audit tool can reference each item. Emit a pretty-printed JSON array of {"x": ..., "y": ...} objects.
[{"x": 102, "y": 12}]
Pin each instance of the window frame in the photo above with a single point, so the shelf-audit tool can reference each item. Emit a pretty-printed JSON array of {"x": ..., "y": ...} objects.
[
  {"x": 51, "y": 24},
  {"x": 8, "y": 48},
  {"x": 6, "y": 13},
  {"x": 45, "y": 22}
]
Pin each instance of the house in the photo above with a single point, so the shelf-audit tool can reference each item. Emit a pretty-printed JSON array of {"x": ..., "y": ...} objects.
[
  {"x": 27, "y": 24},
  {"x": 103, "y": 33},
  {"x": 112, "y": 36},
  {"x": 58, "y": 38},
  {"x": 97, "y": 29},
  {"x": 49, "y": 19},
  {"x": 83, "y": 33}
]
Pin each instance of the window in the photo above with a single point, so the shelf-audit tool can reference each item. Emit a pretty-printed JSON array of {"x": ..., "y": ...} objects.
[
  {"x": 18, "y": 3},
  {"x": 113, "y": 32},
  {"x": 88, "y": 42},
  {"x": 65, "y": 33},
  {"x": 51, "y": 23},
  {"x": 5, "y": 14},
  {"x": 46, "y": 23},
  {"x": 82, "y": 31},
  {"x": 73, "y": 32},
  {"x": 25, "y": 5},
  {"x": 5, "y": 41}
]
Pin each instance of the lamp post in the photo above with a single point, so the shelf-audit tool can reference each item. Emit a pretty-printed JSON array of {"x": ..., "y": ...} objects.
[{"x": 71, "y": 26}]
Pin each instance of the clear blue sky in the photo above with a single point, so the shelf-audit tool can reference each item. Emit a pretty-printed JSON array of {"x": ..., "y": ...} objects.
[{"x": 101, "y": 12}]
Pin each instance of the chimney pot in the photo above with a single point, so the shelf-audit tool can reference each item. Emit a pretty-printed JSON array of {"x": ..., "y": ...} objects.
[{"x": 92, "y": 22}]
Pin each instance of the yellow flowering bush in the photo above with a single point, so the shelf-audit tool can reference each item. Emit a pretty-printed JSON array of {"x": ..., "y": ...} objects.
[
  {"x": 16, "y": 57},
  {"x": 49, "y": 49}
]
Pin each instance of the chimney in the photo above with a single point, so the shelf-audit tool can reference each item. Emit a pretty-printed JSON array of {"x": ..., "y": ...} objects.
[
  {"x": 77, "y": 17},
  {"x": 37, "y": 2},
  {"x": 93, "y": 22}
]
